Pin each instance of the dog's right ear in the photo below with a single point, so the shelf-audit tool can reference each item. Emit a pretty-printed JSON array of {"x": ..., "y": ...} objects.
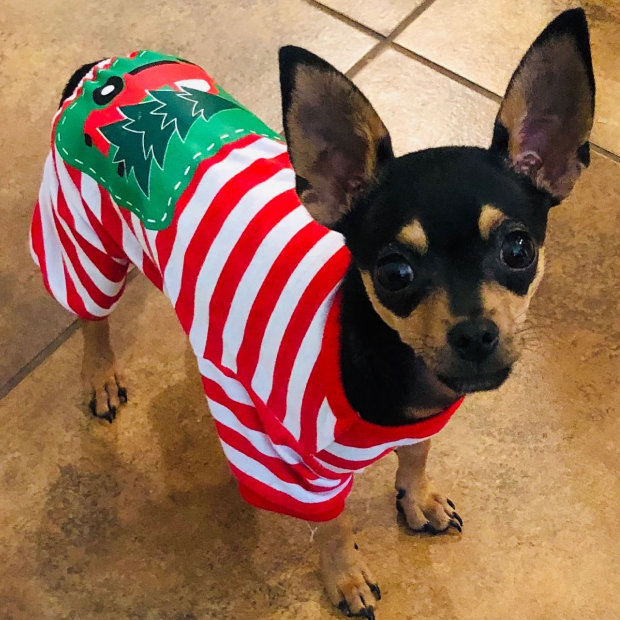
[
  {"x": 544, "y": 123},
  {"x": 336, "y": 141}
]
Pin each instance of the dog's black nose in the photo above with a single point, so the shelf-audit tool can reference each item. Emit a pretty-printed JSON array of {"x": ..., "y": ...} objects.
[{"x": 475, "y": 339}]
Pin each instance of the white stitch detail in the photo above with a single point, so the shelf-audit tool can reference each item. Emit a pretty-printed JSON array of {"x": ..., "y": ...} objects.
[
  {"x": 131, "y": 205},
  {"x": 238, "y": 130},
  {"x": 169, "y": 200},
  {"x": 79, "y": 161},
  {"x": 150, "y": 221},
  {"x": 211, "y": 147},
  {"x": 117, "y": 197},
  {"x": 197, "y": 156},
  {"x": 177, "y": 185},
  {"x": 163, "y": 219},
  {"x": 187, "y": 170},
  {"x": 224, "y": 136},
  {"x": 64, "y": 150},
  {"x": 93, "y": 170}
]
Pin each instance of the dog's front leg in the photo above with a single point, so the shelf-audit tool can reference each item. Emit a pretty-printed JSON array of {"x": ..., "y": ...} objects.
[
  {"x": 425, "y": 509},
  {"x": 102, "y": 384},
  {"x": 350, "y": 585}
]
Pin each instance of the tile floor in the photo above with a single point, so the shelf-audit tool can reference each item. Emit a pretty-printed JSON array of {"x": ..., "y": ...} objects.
[{"x": 140, "y": 520}]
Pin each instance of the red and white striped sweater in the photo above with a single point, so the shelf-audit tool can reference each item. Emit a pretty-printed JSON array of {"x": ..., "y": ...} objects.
[{"x": 255, "y": 283}]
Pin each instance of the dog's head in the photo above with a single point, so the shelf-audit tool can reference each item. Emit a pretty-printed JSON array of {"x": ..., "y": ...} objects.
[{"x": 448, "y": 242}]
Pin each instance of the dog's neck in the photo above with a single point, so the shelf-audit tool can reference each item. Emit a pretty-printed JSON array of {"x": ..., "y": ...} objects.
[{"x": 383, "y": 379}]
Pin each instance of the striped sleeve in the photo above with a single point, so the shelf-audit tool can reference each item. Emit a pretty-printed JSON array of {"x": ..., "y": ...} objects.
[
  {"x": 82, "y": 268},
  {"x": 272, "y": 470}
]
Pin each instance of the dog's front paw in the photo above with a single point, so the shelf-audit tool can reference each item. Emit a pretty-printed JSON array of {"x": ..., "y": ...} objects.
[
  {"x": 350, "y": 585},
  {"x": 428, "y": 511},
  {"x": 106, "y": 396}
]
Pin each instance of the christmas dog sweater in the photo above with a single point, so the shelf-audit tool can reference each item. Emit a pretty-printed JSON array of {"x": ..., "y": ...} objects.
[{"x": 152, "y": 163}]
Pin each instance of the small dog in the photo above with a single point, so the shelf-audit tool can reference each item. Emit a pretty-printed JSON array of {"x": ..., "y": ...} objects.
[{"x": 331, "y": 333}]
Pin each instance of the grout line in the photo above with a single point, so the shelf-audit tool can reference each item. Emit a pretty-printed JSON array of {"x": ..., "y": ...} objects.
[
  {"x": 601, "y": 150},
  {"x": 346, "y": 19},
  {"x": 489, "y": 94},
  {"x": 372, "y": 53},
  {"x": 388, "y": 39},
  {"x": 49, "y": 349},
  {"x": 410, "y": 19},
  {"x": 39, "y": 358}
]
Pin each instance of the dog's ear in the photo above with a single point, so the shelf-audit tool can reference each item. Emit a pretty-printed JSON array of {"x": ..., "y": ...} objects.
[
  {"x": 544, "y": 122},
  {"x": 336, "y": 141}
]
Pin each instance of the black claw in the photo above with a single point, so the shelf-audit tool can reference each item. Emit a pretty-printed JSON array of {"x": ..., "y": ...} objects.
[
  {"x": 122, "y": 394},
  {"x": 455, "y": 515},
  {"x": 376, "y": 591},
  {"x": 355, "y": 546},
  {"x": 343, "y": 606},
  {"x": 456, "y": 526},
  {"x": 400, "y": 508},
  {"x": 451, "y": 504},
  {"x": 367, "y": 612},
  {"x": 92, "y": 405},
  {"x": 400, "y": 494}
]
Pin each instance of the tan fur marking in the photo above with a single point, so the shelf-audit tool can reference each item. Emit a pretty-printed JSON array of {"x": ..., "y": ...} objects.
[
  {"x": 490, "y": 218},
  {"x": 506, "y": 308},
  {"x": 425, "y": 328},
  {"x": 413, "y": 235}
]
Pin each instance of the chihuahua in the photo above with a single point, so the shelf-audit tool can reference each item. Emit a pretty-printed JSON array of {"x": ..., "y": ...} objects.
[{"x": 340, "y": 301}]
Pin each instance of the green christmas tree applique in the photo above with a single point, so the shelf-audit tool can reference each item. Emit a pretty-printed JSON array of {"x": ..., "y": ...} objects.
[{"x": 145, "y": 132}]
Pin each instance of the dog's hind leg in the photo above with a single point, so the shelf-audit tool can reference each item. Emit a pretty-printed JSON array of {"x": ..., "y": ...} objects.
[
  {"x": 349, "y": 584},
  {"x": 102, "y": 383}
]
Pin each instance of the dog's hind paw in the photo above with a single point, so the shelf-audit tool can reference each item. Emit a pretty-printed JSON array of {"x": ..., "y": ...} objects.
[{"x": 107, "y": 397}]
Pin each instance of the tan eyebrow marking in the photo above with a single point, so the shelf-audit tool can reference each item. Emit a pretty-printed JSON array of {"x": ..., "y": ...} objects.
[
  {"x": 490, "y": 217},
  {"x": 413, "y": 234}
]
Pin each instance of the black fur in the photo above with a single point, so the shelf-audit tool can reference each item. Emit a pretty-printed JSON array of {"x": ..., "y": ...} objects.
[{"x": 75, "y": 79}]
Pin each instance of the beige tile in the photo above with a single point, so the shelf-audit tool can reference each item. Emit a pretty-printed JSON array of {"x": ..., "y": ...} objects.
[
  {"x": 139, "y": 519},
  {"x": 44, "y": 42},
  {"x": 423, "y": 108},
  {"x": 484, "y": 41},
  {"x": 380, "y": 15}
]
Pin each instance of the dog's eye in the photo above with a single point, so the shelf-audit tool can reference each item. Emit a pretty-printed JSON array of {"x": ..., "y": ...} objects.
[
  {"x": 394, "y": 273},
  {"x": 517, "y": 251}
]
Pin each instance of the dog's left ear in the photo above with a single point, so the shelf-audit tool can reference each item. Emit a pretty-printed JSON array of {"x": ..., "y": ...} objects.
[
  {"x": 544, "y": 122},
  {"x": 336, "y": 141}
]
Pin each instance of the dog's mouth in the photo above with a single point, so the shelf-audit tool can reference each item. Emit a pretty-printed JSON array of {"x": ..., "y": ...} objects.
[{"x": 476, "y": 383}]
